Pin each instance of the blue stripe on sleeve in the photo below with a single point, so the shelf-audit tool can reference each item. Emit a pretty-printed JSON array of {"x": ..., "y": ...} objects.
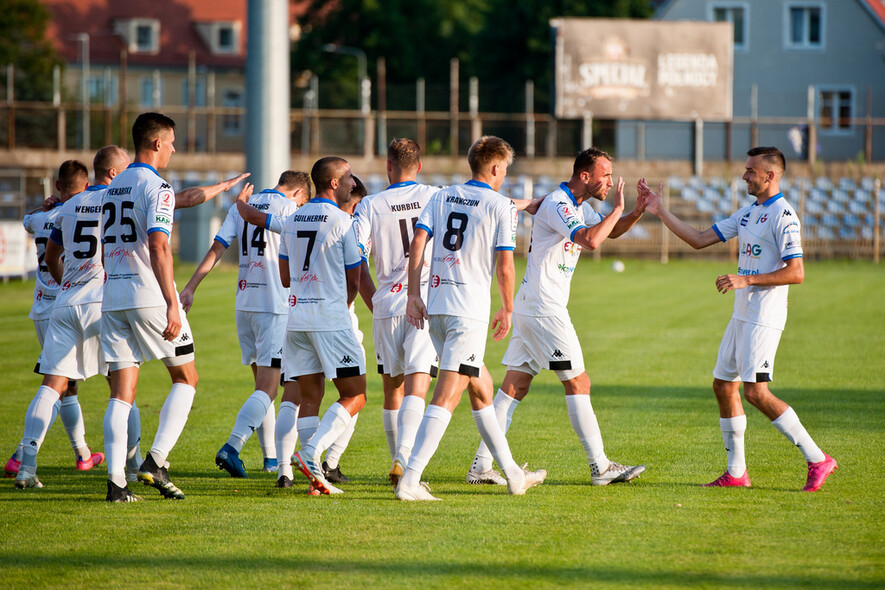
[
  {"x": 165, "y": 231},
  {"x": 222, "y": 242},
  {"x": 719, "y": 233},
  {"x": 425, "y": 228},
  {"x": 572, "y": 236},
  {"x": 791, "y": 257},
  {"x": 55, "y": 236}
]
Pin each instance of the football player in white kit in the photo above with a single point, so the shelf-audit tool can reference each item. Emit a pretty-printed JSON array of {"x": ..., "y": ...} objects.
[
  {"x": 142, "y": 318},
  {"x": 406, "y": 357},
  {"x": 320, "y": 261},
  {"x": 290, "y": 426},
  {"x": 261, "y": 311},
  {"x": 58, "y": 392},
  {"x": 475, "y": 234},
  {"x": 543, "y": 334},
  {"x": 770, "y": 259}
]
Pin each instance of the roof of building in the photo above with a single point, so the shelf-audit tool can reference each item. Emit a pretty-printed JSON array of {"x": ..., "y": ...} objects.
[{"x": 182, "y": 29}]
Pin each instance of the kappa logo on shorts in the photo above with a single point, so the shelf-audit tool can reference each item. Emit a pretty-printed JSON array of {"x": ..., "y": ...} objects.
[
  {"x": 765, "y": 365},
  {"x": 185, "y": 337},
  {"x": 346, "y": 360},
  {"x": 557, "y": 354},
  {"x": 471, "y": 358}
]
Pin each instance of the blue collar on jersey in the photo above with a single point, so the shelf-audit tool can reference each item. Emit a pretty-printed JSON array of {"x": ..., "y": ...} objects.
[
  {"x": 478, "y": 183},
  {"x": 323, "y": 200},
  {"x": 272, "y": 190},
  {"x": 96, "y": 187},
  {"x": 568, "y": 191},
  {"x": 143, "y": 165},
  {"x": 401, "y": 184},
  {"x": 772, "y": 199}
]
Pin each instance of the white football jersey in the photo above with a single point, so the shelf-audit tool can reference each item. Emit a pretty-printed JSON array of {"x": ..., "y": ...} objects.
[
  {"x": 469, "y": 223},
  {"x": 319, "y": 243},
  {"x": 77, "y": 231},
  {"x": 138, "y": 202},
  {"x": 768, "y": 234},
  {"x": 41, "y": 224},
  {"x": 385, "y": 225},
  {"x": 553, "y": 254},
  {"x": 258, "y": 285}
]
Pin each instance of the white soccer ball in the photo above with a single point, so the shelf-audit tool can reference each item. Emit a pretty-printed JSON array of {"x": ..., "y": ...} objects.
[{"x": 618, "y": 266}]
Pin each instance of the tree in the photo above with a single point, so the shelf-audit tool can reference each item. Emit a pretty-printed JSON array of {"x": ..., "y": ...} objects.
[{"x": 23, "y": 43}]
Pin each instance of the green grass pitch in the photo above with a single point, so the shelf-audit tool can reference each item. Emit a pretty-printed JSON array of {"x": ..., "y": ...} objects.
[{"x": 650, "y": 336}]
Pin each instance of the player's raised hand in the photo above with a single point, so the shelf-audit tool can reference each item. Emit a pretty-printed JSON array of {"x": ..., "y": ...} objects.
[
  {"x": 232, "y": 182},
  {"x": 501, "y": 324},
  {"x": 416, "y": 311},
  {"x": 244, "y": 195},
  {"x": 652, "y": 200},
  {"x": 618, "y": 202}
]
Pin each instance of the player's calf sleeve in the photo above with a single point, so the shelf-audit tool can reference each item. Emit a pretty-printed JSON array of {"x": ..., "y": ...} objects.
[
  {"x": 173, "y": 417},
  {"x": 286, "y": 437},
  {"x": 37, "y": 420},
  {"x": 789, "y": 425},
  {"x": 433, "y": 426},
  {"x": 72, "y": 417},
  {"x": 585, "y": 425},
  {"x": 408, "y": 420},
  {"x": 133, "y": 439},
  {"x": 339, "y": 445},
  {"x": 116, "y": 434},
  {"x": 250, "y": 416}
]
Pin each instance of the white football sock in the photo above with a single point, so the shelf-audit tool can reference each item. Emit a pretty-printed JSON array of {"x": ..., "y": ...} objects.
[
  {"x": 333, "y": 423},
  {"x": 133, "y": 440},
  {"x": 389, "y": 419},
  {"x": 55, "y": 408},
  {"x": 585, "y": 425},
  {"x": 116, "y": 427},
  {"x": 504, "y": 408},
  {"x": 408, "y": 419},
  {"x": 789, "y": 425},
  {"x": 37, "y": 420},
  {"x": 72, "y": 418},
  {"x": 337, "y": 448},
  {"x": 430, "y": 432},
  {"x": 173, "y": 417},
  {"x": 251, "y": 414},
  {"x": 266, "y": 431},
  {"x": 306, "y": 427},
  {"x": 492, "y": 434},
  {"x": 733, "y": 437},
  {"x": 286, "y": 436}
]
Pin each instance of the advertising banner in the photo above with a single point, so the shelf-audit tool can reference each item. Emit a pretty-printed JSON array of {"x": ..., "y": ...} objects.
[{"x": 638, "y": 69}]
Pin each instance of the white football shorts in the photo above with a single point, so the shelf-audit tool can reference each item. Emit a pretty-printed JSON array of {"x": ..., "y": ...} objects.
[
  {"x": 72, "y": 346},
  {"x": 747, "y": 353},
  {"x": 540, "y": 343},
  {"x": 261, "y": 335},
  {"x": 402, "y": 349},
  {"x": 131, "y": 336},
  {"x": 40, "y": 326},
  {"x": 460, "y": 343},
  {"x": 336, "y": 354}
]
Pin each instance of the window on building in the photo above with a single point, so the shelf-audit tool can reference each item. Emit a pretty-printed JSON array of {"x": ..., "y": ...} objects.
[
  {"x": 200, "y": 95},
  {"x": 150, "y": 91},
  {"x": 232, "y": 123},
  {"x": 836, "y": 109},
  {"x": 226, "y": 38},
  {"x": 737, "y": 15},
  {"x": 141, "y": 35},
  {"x": 804, "y": 25},
  {"x": 103, "y": 90}
]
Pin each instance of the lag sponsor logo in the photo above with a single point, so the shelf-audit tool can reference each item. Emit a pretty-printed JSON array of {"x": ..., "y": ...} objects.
[
  {"x": 571, "y": 247},
  {"x": 753, "y": 250}
]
